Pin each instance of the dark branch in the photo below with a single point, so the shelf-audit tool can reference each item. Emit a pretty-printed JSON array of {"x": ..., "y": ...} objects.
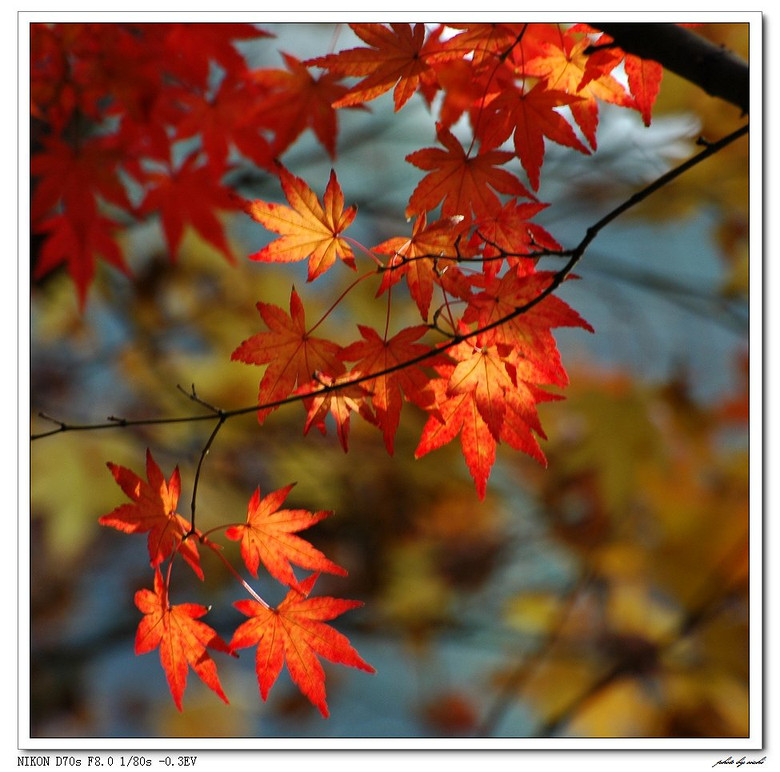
[
  {"x": 574, "y": 255},
  {"x": 714, "y": 69}
]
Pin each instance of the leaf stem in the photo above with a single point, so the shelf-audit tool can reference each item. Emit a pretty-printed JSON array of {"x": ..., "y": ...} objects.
[{"x": 241, "y": 579}]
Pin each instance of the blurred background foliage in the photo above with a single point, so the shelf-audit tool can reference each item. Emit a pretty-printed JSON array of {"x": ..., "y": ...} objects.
[{"x": 603, "y": 596}]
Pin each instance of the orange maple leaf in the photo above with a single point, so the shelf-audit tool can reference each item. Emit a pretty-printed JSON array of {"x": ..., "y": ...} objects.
[
  {"x": 463, "y": 181},
  {"x": 564, "y": 68},
  {"x": 484, "y": 42},
  {"x": 294, "y": 632},
  {"x": 484, "y": 375},
  {"x": 341, "y": 399},
  {"x": 422, "y": 257},
  {"x": 508, "y": 235},
  {"x": 528, "y": 332},
  {"x": 398, "y": 57},
  {"x": 181, "y": 638},
  {"x": 483, "y": 399},
  {"x": 268, "y": 536},
  {"x": 291, "y": 353},
  {"x": 308, "y": 229},
  {"x": 458, "y": 414},
  {"x": 153, "y": 510}
]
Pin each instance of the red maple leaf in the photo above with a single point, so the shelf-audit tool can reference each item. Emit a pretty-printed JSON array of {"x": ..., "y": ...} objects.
[
  {"x": 76, "y": 177},
  {"x": 464, "y": 182},
  {"x": 191, "y": 47},
  {"x": 77, "y": 241},
  {"x": 291, "y": 353},
  {"x": 298, "y": 101},
  {"x": 268, "y": 536},
  {"x": 644, "y": 75},
  {"x": 309, "y": 229},
  {"x": 228, "y": 118},
  {"x": 182, "y": 640},
  {"x": 531, "y": 117},
  {"x": 189, "y": 195},
  {"x": 294, "y": 632},
  {"x": 341, "y": 399},
  {"x": 375, "y": 354},
  {"x": 644, "y": 82},
  {"x": 153, "y": 510},
  {"x": 398, "y": 57}
]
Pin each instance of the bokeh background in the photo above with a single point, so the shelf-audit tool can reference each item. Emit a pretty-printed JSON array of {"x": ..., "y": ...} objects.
[{"x": 603, "y": 596}]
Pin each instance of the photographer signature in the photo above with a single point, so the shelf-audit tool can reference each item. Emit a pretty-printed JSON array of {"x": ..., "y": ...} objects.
[{"x": 739, "y": 762}]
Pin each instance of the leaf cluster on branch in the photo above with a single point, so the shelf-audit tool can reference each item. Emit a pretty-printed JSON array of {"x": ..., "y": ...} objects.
[{"x": 133, "y": 121}]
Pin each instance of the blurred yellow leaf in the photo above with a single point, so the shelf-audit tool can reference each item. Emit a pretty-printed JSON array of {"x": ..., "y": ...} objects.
[{"x": 533, "y": 613}]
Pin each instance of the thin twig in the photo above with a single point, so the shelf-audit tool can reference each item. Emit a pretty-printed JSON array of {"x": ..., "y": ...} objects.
[
  {"x": 195, "y": 398},
  {"x": 203, "y": 454}
]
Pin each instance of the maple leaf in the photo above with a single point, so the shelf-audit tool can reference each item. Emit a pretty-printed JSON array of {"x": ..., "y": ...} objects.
[
  {"x": 485, "y": 42},
  {"x": 458, "y": 415},
  {"x": 531, "y": 117},
  {"x": 464, "y": 182},
  {"x": 76, "y": 241},
  {"x": 340, "y": 400},
  {"x": 375, "y": 354},
  {"x": 528, "y": 332},
  {"x": 190, "y": 48},
  {"x": 294, "y": 632},
  {"x": 308, "y": 230},
  {"x": 483, "y": 399},
  {"x": 563, "y": 66},
  {"x": 644, "y": 82},
  {"x": 644, "y": 75},
  {"x": 229, "y": 117},
  {"x": 291, "y": 353},
  {"x": 153, "y": 510},
  {"x": 484, "y": 375},
  {"x": 298, "y": 101},
  {"x": 76, "y": 177},
  {"x": 397, "y": 57},
  {"x": 422, "y": 257},
  {"x": 268, "y": 536},
  {"x": 182, "y": 640},
  {"x": 508, "y": 232},
  {"x": 189, "y": 195}
]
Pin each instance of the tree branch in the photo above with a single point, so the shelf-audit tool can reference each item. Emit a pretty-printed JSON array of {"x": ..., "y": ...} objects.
[
  {"x": 714, "y": 69},
  {"x": 574, "y": 255}
]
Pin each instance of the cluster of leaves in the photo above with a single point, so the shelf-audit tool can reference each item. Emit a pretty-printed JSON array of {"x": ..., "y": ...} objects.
[
  {"x": 294, "y": 632},
  {"x": 118, "y": 144},
  {"x": 473, "y": 245},
  {"x": 116, "y": 111}
]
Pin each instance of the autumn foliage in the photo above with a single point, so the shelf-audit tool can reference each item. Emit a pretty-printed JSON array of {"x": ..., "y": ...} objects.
[{"x": 131, "y": 125}]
